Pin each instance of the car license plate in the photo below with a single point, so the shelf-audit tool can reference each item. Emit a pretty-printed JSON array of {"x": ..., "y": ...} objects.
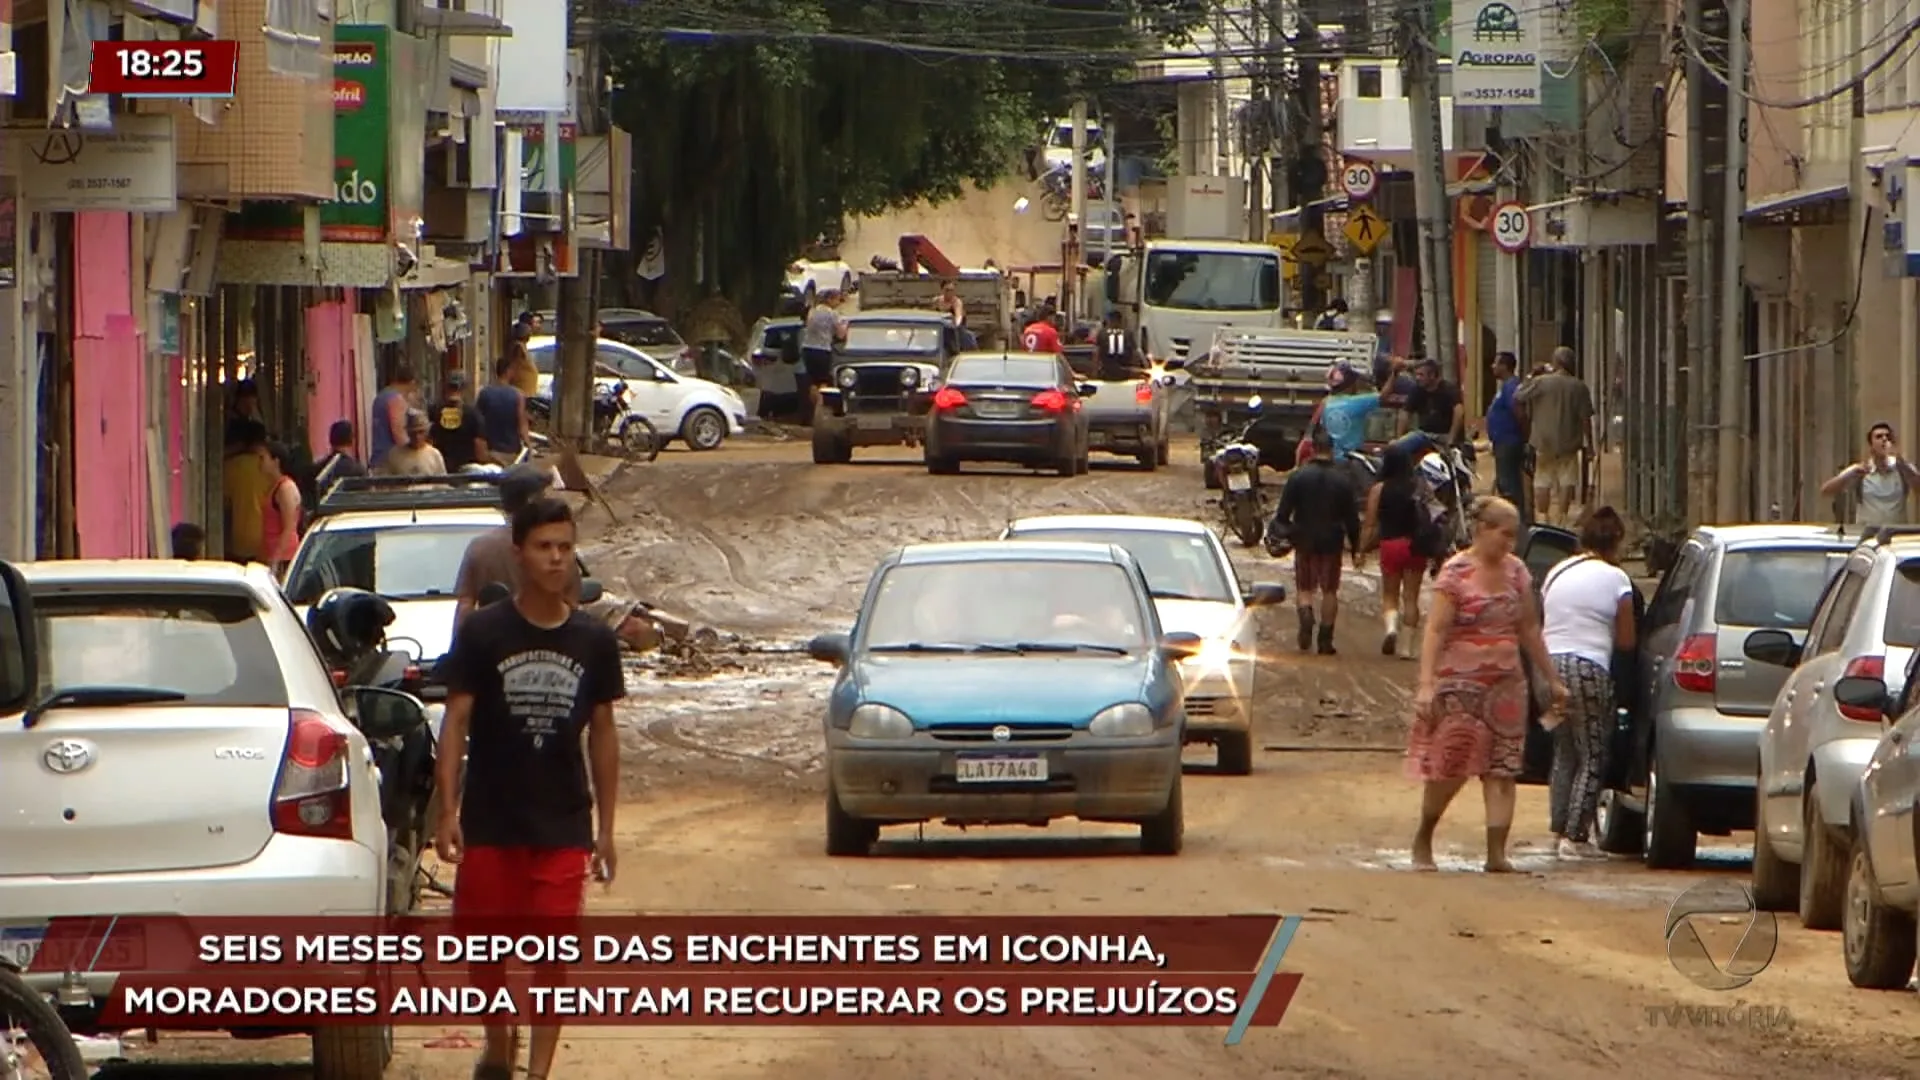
[
  {"x": 873, "y": 423},
  {"x": 125, "y": 950},
  {"x": 998, "y": 409},
  {"x": 1239, "y": 481},
  {"x": 1001, "y": 769}
]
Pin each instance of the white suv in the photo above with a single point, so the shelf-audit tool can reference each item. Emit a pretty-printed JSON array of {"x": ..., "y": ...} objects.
[{"x": 186, "y": 753}]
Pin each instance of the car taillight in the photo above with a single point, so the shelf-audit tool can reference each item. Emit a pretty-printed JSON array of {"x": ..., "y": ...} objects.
[
  {"x": 1143, "y": 393},
  {"x": 1694, "y": 665},
  {"x": 1865, "y": 667},
  {"x": 413, "y": 673},
  {"x": 313, "y": 794},
  {"x": 948, "y": 398},
  {"x": 1050, "y": 401},
  {"x": 339, "y": 677}
]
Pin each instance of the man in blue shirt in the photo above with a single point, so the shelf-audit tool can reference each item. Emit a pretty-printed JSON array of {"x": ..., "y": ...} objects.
[
  {"x": 1507, "y": 433},
  {"x": 1344, "y": 415}
]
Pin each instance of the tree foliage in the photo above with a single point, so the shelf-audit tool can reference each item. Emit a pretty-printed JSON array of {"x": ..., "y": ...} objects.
[{"x": 774, "y": 120}]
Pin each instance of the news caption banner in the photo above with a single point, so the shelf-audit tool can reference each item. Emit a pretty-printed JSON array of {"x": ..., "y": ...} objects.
[{"x": 676, "y": 970}]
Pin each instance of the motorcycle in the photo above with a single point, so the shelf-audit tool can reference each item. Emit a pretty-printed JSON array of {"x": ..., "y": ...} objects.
[
  {"x": 1236, "y": 465},
  {"x": 1056, "y": 190},
  {"x": 34, "y": 1041},
  {"x": 1449, "y": 473},
  {"x": 614, "y": 421}
]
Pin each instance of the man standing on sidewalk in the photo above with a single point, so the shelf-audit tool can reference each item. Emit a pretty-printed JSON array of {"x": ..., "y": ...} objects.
[
  {"x": 526, "y": 681},
  {"x": 1320, "y": 514},
  {"x": 1508, "y": 434},
  {"x": 1558, "y": 408}
]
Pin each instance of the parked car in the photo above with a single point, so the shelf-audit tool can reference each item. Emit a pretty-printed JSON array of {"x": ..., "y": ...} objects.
[
  {"x": 643, "y": 330},
  {"x": 1883, "y": 868},
  {"x": 182, "y": 750},
  {"x": 1020, "y": 408},
  {"x": 1815, "y": 747},
  {"x": 993, "y": 683},
  {"x": 884, "y": 376},
  {"x": 1698, "y": 702},
  {"x": 697, "y": 412},
  {"x": 809, "y": 279},
  {"x": 1195, "y": 590}
]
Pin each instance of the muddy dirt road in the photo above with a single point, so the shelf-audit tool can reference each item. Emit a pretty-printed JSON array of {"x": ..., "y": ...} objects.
[{"x": 1557, "y": 972}]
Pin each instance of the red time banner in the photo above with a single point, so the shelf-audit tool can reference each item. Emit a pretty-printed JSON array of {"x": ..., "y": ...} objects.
[{"x": 164, "y": 69}]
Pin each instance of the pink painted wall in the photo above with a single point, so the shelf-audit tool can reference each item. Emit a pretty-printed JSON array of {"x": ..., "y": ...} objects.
[
  {"x": 112, "y": 506},
  {"x": 330, "y": 363},
  {"x": 177, "y": 434}
]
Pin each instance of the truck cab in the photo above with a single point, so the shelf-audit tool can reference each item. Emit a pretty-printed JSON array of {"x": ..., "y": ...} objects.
[{"x": 1176, "y": 294}]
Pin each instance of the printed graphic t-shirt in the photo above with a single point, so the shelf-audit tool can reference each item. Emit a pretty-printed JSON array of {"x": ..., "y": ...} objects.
[{"x": 534, "y": 690}]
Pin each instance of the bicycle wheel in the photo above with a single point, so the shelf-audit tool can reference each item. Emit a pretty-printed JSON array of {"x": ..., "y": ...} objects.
[{"x": 34, "y": 1042}]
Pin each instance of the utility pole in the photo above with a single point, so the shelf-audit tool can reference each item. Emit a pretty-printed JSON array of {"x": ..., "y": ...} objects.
[
  {"x": 1422, "y": 73},
  {"x": 1076, "y": 218},
  {"x": 1731, "y": 440},
  {"x": 579, "y": 300},
  {"x": 1705, "y": 158}
]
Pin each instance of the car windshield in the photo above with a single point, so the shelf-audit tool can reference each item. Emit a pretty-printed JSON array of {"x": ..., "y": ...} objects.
[
  {"x": 1773, "y": 589},
  {"x": 207, "y": 648},
  {"x": 1005, "y": 604},
  {"x": 1010, "y": 371},
  {"x": 879, "y": 337},
  {"x": 641, "y": 333},
  {"x": 1212, "y": 281},
  {"x": 1903, "y": 607},
  {"x": 403, "y": 562},
  {"x": 1179, "y": 566}
]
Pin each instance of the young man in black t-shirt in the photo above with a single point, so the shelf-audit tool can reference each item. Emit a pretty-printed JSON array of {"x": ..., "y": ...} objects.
[
  {"x": 458, "y": 432},
  {"x": 525, "y": 681}
]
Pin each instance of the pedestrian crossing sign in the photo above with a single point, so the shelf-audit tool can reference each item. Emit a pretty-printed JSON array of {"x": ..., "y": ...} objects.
[{"x": 1365, "y": 229}]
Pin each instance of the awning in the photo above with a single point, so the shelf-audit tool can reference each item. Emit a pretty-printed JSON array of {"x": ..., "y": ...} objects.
[
  {"x": 455, "y": 23},
  {"x": 1806, "y": 206}
]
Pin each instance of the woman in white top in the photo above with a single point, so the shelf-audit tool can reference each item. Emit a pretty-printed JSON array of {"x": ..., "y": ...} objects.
[{"x": 1588, "y": 614}]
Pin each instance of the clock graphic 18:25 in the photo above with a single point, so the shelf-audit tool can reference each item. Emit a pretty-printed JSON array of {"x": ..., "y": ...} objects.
[{"x": 169, "y": 69}]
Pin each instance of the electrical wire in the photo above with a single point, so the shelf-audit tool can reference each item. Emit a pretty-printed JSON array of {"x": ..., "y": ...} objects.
[{"x": 1848, "y": 85}]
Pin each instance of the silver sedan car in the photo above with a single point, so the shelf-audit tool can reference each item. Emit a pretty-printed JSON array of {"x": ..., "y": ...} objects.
[{"x": 1883, "y": 867}]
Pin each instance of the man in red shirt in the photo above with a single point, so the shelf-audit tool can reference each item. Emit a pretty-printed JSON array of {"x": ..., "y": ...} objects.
[{"x": 1040, "y": 336}]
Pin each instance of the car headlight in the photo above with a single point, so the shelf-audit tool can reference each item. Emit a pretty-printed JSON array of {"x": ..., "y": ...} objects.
[
  {"x": 846, "y": 378},
  {"x": 909, "y": 377},
  {"x": 879, "y": 722},
  {"x": 1130, "y": 720},
  {"x": 1215, "y": 655}
]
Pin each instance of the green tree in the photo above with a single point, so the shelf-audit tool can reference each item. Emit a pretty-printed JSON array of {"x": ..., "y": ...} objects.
[{"x": 774, "y": 120}]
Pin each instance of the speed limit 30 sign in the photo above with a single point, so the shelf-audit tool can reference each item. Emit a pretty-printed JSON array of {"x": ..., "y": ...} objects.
[
  {"x": 1511, "y": 226},
  {"x": 1358, "y": 179}
]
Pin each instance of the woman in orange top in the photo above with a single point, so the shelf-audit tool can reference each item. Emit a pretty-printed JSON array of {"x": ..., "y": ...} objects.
[
  {"x": 280, "y": 534},
  {"x": 522, "y": 374}
]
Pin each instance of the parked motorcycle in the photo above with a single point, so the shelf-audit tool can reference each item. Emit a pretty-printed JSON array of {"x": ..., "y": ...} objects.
[
  {"x": 615, "y": 424},
  {"x": 1056, "y": 190},
  {"x": 1449, "y": 472},
  {"x": 350, "y": 627},
  {"x": 34, "y": 1041},
  {"x": 1236, "y": 466}
]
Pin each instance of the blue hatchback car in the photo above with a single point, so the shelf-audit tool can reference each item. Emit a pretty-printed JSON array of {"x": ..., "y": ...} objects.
[{"x": 995, "y": 683}]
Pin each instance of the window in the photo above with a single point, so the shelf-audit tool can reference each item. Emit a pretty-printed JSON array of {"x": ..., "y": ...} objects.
[
  {"x": 1670, "y": 600},
  {"x": 644, "y": 334},
  {"x": 1830, "y": 628},
  {"x": 625, "y": 365},
  {"x": 1212, "y": 281},
  {"x": 1014, "y": 372},
  {"x": 1775, "y": 590},
  {"x": 1903, "y": 606},
  {"x": 1178, "y": 566},
  {"x": 1006, "y": 602},
  {"x": 293, "y": 34},
  {"x": 401, "y": 563},
  {"x": 13, "y": 669},
  {"x": 210, "y": 648},
  {"x": 894, "y": 337},
  {"x": 1366, "y": 82}
]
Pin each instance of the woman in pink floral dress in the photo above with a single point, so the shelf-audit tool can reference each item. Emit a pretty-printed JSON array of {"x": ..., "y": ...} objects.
[{"x": 1470, "y": 713}]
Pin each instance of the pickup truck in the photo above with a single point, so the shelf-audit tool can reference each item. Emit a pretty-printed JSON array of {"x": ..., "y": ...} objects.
[
  {"x": 1286, "y": 368},
  {"x": 1126, "y": 416}
]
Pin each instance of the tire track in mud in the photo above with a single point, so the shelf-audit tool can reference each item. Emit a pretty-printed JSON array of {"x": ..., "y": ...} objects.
[{"x": 667, "y": 733}]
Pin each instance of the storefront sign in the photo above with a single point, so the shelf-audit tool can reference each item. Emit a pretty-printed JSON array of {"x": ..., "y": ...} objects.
[
  {"x": 1496, "y": 53},
  {"x": 533, "y": 158},
  {"x": 130, "y": 168}
]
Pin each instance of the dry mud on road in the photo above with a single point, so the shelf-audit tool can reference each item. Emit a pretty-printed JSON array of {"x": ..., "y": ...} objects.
[{"x": 1557, "y": 972}]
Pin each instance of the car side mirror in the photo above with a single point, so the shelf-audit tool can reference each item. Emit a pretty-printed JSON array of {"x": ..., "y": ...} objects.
[
  {"x": 1180, "y": 646},
  {"x": 1088, "y": 389},
  {"x": 1863, "y": 692},
  {"x": 830, "y": 648},
  {"x": 591, "y": 591},
  {"x": 1265, "y": 594},
  {"x": 383, "y": 713},
  {"x": 1774, "y": 647}
]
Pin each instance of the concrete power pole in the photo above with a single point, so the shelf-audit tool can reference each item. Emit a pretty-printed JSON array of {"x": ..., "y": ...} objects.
[
  {"x": 1076, "y": 218},
  {"x": 1731, "y": 469},
  {"x": 579, "y": 300},
  {"x": 1422, "y": 73}
]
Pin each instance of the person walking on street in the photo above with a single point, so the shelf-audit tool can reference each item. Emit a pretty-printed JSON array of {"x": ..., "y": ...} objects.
[
  {"x": 1880, "y": 482},
  {"x": 280, "y": 514},
  {"x": 1470, "y": 711},
  {"x": 1320, "y": 514},
  {"x": 1335, "y": 317},
  {"x": 503, "y": 415},
  {"x": 1559, "y": 417},
  {"x": 417, "y": 456},
  {"x": 1587, "y": 616},
  {"x": 457, "y": 431},
  {"x": 245, "y": 486},
  {"x": 527, "y": 682},
  {"x": 1398, "y": 523},
  {"x": 1040, "y": 335},
  {"x": 389, "y": 427},
  {"x": 1508, "y": 433},
  {"x": 490, "y": 558},
  {"x": 338, "y": 465},
  {"x": 823, "y": 329}
]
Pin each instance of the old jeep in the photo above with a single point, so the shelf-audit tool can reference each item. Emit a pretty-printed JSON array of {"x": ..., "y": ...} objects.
[{"x": 884, "y": 376}]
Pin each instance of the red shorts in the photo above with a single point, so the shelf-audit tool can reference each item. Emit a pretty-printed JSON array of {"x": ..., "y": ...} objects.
[
  {"x": 1316, "y": 573},
  {"x": 1397, "y": 556},
  {"x": 514, "y": 882}
]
